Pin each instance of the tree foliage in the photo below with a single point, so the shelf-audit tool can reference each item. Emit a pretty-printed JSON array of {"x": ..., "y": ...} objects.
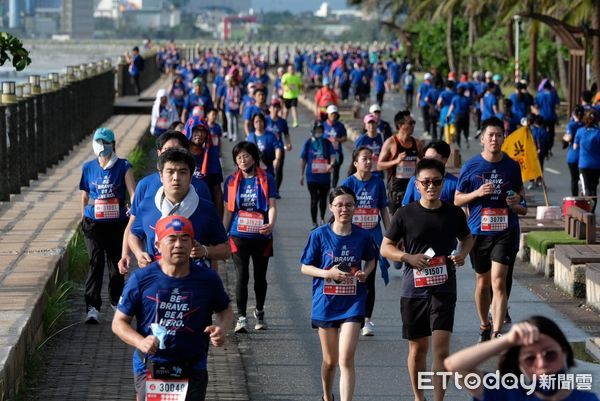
[{"x": 11, "y": 49}]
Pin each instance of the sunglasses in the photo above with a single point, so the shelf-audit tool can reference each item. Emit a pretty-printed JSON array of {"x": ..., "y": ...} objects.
[
  {"x": 436, "y": 183},
  {"x": 549, "y": 356}
]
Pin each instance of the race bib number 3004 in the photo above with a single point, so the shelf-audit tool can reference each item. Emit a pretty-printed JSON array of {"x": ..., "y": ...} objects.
[{"x": 165, "y": 390}]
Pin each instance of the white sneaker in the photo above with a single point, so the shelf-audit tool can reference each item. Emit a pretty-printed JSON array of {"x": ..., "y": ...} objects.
[
  {"x": 93, "y": 316},
  {"x": 241, "y": 325},
  {"x": 368, "y": 329},
  {"x": 261, "y": 323}
]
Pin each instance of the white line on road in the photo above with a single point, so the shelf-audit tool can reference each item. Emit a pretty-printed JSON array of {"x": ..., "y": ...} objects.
[{"x": 551, "y": 170}]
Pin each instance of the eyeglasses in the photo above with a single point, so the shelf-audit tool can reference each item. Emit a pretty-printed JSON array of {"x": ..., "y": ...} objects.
[
  {"x": 549, "y": 356},
  {"x": 348, "y": 206},
  {"x": 436, "y": 183}
]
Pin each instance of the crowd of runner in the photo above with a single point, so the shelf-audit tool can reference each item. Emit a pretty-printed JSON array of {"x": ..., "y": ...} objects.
[{"x": 188, "y": 209}]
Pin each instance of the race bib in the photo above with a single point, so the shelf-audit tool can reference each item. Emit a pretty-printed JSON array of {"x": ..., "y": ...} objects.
[
  {"x": 345, "y": 287},
  {"x": 319, "y": 166},
  {"x": 198, "y": 111},
  {"x": 106, "y": 209},
  {"x": 178, "y": 92},
  {"x": 250, "y": 222},
  {"x": 494, "y": 219},
  {"x": 165, "y": 390},
  {"x": 435, "y": 273},
  {"x": 215, "y": 140},
  {"x": 366, "y": 218},
  {"x": 292, "y": 87},
  {"x": 406, "y": 169},
  {"x": 162, "y": 122}
]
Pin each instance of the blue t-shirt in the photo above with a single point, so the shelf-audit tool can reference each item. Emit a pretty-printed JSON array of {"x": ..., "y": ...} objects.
[
  {"x": 447, "y": 194},
  {"x": 106, "y": 187},
  {"x": 547, "y": 102},
  {"x": 214, "y": 164},
  {"x": 332, "y": 301},
  {"x": 251, "y": 203},
  {"x": 370, "y": 199},
  {"x": 489, "y": 101},
  {"x": 278, "y": 127},
  {"x": 356, "y": 76},
  {"x": 251, "y": 110},
  {"x": 316, "y": 152},
  {"x": 335, "y": 130},
  {"x": 216, "y": 132},
  {"x": 588, "y": 143},
  {"x": 267, "y": 143},
  {"x": 136, "y": 66},
  {"x": 423, "y": 89},
  {"x": 375, "y": 144},
  {"x": 177, "y": 94},
  {"x": 380, "y": 79},
  {"x": 432, "y": 96},
  {"x": 521, "y": 107},
  {"x": 541, "y": 138},
  {"x": 183, "y": 305},
  {"x": 198, "y": 104},
  {"x": 447, "y": 95},
  {"x": 208, "y": 227},
  {"x": 573, "y": 154},
  {"x": 503, "y": 394},
  {"x": 506, "y": 176},
  {"x": 462, "y": 106},
  {"x": 148, "y": 186},
  {"x": 408, "y": 80}
]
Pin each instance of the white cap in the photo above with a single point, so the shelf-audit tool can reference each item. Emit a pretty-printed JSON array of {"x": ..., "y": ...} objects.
[
  {"x": 374, "y": 108},
  {"x": 427, "y": 76},
  {"x": 409, "y": 66},
  {"x": 332, "y": 108},
  {"x": 489, "y": 74}
]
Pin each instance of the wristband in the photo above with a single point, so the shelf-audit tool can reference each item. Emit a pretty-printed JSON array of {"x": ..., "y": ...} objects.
[{"x": 205, "y": 252}]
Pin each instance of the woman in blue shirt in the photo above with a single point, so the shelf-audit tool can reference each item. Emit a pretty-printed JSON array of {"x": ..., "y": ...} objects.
[
  {"x": 573, "y": 154},
  {"x": 318, "y": 157},
  {"x": 587, "y": 141},
  {"x": 535, "y": 353},
  {"x": 371, "y": 209},
  {"x": 249, "y": 217},
  {"x": 105, "y": 182},
  {"x": 333, "y": 257}
]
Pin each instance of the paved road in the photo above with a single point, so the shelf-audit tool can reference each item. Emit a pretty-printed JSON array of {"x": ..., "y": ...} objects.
[{"x": 283, "y": 363}]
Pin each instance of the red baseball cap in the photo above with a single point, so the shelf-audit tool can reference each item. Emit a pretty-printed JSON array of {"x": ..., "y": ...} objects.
[{"x": 173, "y": 224}]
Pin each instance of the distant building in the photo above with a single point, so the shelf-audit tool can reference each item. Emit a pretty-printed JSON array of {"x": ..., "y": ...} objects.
[
  {"x": 77, "y": 19},
  {"x": 229, "y": 6}
]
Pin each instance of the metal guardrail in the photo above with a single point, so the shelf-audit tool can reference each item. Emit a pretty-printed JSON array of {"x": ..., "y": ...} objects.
[{"x": 41, "y": 121}]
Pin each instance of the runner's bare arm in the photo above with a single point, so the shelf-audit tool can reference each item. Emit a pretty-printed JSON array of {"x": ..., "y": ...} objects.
[
  {"x": 125, "y": 260},
  {"x": 463, "y": 199},
  {"x": 226, "y": 216},
  {"x": 334, "y": 273},
  {"x": 384, "y": 162},
  {"x": 385, "y": 217},
  {"x": 389, "y": 250},
  {"x": 362, "y": 275},
  {"x": 136, "y": 246},
  {"x": 130, "y": 184},
  {"x": 220, "y": 251},
  {"x": 121, "y": 326},
  {"x": 217, "y": 331},
  {"x": 464, "y": 246},
  {"x": 302, "y": 169},
  {"x": 85, "y": 198}
]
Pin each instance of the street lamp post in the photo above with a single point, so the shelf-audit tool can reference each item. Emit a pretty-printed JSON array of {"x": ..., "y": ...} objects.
[{"x": 517, "y": 19}]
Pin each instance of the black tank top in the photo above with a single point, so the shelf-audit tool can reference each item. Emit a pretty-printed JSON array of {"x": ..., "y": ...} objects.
[{"x": 400, "y": 175}]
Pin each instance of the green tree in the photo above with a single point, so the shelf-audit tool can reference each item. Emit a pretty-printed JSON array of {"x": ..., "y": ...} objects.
[{"x": 11, "y": 49}]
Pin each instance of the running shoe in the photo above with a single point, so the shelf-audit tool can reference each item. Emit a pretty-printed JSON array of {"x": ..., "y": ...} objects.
[
  {"x": 295, "y": 125},
  {"x": 485, "y": 333},
  {"x": 261, "y": 323},
  {"x": 241, "y": 325},
  {"x": 93, "y": 316},
  {"x": 368, "y": 329},
  {"x": 507, "y": 318},
  {"x": 497, "y": 334}
]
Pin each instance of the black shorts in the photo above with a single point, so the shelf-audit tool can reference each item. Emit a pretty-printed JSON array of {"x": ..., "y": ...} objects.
[
  {"x": 336, "y": 324},
  {"x": 289, "y": 103},
  {"x": 498, "y": 248},
  {"x": 196, "y": 389},
  {"x": 421, "y": 316}
]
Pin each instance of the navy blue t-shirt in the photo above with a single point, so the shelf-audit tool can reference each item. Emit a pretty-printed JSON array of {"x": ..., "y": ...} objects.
[
  {"x": 107, "y": 188},
  {"x": 331, "y": 300},
  {"x": 183, "y": 305},
  {"x": 317, "y": 154},
  {"x": 335, "y": 130},
  {"x": 267, "y": 143},
  {"x": 490, "y": 215}
]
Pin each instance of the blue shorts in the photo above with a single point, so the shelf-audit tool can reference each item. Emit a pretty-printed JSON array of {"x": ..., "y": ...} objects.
[{"x": 336, "y": 324}]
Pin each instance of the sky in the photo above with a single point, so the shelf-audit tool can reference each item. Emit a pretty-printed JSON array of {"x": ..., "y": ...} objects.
[{"x": 295, "y": 6}]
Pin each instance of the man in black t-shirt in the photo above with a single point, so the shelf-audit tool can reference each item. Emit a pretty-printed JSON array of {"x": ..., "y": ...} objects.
[{"x": 429, "y": 229}]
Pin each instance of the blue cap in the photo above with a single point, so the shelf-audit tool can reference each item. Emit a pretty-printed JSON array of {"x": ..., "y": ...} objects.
[{"x": 104, "y": 134}]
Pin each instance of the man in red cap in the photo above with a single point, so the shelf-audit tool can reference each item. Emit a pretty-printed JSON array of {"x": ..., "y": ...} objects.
[{"x": 173, "y": 302}]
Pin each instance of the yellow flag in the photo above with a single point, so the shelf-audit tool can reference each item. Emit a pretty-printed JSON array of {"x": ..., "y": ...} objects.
[{"x": 520, "y": 146}]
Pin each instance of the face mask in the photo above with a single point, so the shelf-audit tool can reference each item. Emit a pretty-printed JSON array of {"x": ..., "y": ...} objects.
[
  {"x": 317, "y": 135},
  {"x": 97, "y": 146},
  {"x": 106, "y": 151}
]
